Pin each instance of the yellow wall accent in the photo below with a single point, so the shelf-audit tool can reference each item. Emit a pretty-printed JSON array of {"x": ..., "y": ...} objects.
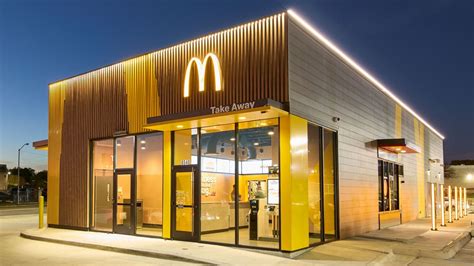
[
  {"x": 398, "y": 121},
  {"x": 419, "y": 130},
  {"x": 167, "y": 184},
  {"x": 294, "y": 183},
  {"x": 56, "y": 114},
  {"x": 141, "y": 88}
]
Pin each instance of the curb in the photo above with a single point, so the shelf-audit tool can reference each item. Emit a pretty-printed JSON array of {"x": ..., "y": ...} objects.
[
  {"x": 445, "y": 253},
  {"x": 117, "y": 249}
]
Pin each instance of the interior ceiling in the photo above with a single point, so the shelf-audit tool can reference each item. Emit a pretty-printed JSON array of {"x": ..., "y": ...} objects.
[{"x": 248, "y": 137}]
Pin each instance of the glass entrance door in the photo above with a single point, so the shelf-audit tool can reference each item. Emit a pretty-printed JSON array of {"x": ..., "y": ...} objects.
[
  {"x": 185, "y": 202},
  {"x": 124, "y": 202}
]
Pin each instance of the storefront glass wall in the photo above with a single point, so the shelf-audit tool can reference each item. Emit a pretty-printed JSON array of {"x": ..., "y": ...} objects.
[
  {"x": 321, "y": 181},
  {"x": 259, "y": 186},
  {"x": 314, "y": 184},
  {"x": 329, "y": 185},
  {"x": 218, "y": 184},
  {"x": 142, "y": 212},
  {"x": 102, "y": 185},
  {"x": 149, "y": 206}
]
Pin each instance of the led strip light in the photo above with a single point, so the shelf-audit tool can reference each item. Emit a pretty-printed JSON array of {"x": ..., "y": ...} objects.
[{"x": 353, "y": 64}]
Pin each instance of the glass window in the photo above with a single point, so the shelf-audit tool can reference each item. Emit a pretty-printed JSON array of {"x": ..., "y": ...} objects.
[
  {"x": 258, "y": 142},
  {"x": 149, "y": 206},
  {"x": 389, "y": 178},
  {"x": 314, "y": 185},
  {"x": 329, "y": 184},
  {"x": 218, "y": 184},
  {"x": 125, "y": 147},
  {"x": 185, "y": 147},
  {"x": 102, "y": 184}
]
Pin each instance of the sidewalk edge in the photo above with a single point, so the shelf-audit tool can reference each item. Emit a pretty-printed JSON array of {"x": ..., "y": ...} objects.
[{"x": 116, "y": 249}]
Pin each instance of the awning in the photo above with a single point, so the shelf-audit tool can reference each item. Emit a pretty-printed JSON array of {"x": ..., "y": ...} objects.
[
  {"x": 397, "y": 146},
  {"x": 41, "y": 144},
  {"x": 218, "y": 115}
]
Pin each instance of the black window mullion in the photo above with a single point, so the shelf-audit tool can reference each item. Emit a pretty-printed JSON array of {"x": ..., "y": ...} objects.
[{"x": 236, "y": 183}]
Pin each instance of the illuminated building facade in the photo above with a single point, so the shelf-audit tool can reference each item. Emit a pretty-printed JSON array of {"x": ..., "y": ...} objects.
[{"x": 264, "y": 135}]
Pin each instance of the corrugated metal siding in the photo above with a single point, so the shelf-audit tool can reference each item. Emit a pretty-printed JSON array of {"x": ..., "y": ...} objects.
[
  {"x": 321, "y": 87},
  {"x": 253, "y": 58}
]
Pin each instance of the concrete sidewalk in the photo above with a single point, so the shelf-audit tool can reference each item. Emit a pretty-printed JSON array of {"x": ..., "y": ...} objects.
[
  {"x": 192, "y": 252},
  {"x": 409, "y": 243},
  {"x": 412, "y": 243}
]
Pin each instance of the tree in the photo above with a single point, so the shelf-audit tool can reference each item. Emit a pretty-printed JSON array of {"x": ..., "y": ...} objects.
[
  {"x": 41, "y": 179},
  {"x": 27, "y": 175}
]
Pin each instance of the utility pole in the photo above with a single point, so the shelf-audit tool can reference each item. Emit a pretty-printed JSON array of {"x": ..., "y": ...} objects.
[{"x": 18, "y": 184}]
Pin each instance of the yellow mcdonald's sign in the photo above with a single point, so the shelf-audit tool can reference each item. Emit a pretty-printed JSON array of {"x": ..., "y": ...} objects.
[{"x": 201, "y": 66}]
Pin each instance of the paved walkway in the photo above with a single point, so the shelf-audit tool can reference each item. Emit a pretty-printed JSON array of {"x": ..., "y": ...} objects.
[
  {"x": 407, "y": 244},
  {"x": 410, "y": 243}
]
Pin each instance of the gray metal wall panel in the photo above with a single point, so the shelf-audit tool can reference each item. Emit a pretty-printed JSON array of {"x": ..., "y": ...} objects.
[{"x": 321, "y": 86}]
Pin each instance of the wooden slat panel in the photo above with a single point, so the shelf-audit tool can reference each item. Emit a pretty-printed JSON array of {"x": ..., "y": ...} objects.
[{"x": 253, "y": 58}]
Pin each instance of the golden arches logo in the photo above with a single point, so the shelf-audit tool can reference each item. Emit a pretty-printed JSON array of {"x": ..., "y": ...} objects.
[{"x": 201, "y": 66}]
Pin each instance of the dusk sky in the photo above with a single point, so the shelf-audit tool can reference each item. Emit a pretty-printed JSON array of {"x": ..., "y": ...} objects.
[{"x": 421, "y": 50}]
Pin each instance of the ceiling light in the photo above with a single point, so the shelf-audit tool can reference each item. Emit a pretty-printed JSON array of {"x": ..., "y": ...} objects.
[
  {"x": 403, "y": 151},
  {"x": 143, "y": 147},
  {"x": 256, "y": 143},
  {"x": 469, "y": 177},
  {"x": 179, "y": 126},
  {"x": 263, "y": 124},
  {"x": 232, "y": 139},
  {"x": 242, "y": 118},
  {"x": 271, "y": 133},
  {"x": 142, "y": 141}
]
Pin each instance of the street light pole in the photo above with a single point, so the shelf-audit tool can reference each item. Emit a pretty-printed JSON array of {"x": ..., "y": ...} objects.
[{"x": 18, "y": 184}]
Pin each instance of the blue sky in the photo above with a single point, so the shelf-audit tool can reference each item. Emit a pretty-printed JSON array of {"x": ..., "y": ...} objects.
[{"x": 422, "y": 50}]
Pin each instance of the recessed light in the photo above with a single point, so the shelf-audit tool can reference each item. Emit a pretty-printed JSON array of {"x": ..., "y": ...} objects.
[
  {"x": 232, "y": 139},
  {"x": 403, "y": 151},
  {"x": 143, "y": 148},
  {"x": 179, "y": 126},
  {"x": 256, "y": 143},
  {"x": 271, "y": 133},
  {"x": 242, "y": 118},
  {"x": 142, "y": 141}
]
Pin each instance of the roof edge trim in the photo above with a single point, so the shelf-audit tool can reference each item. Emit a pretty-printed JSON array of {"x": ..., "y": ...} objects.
[{"x": 332, "y": 47}]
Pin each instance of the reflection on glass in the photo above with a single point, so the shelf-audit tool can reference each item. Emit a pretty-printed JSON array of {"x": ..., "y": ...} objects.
[
  {"x": 102, "y": 180},
  {"x": 149, "y": 206},
  {"x": 185, "y": 147},
  {"x": 314, "y": 195},
  {"x": 124, "y": 151},
  {"x": 258, "y": 213},
  {"x": 124, "y": 195},
  {"x": 184, "y": 201},
  {"x": 329, "y": 200},
  {"x": 217, "y": 184}
]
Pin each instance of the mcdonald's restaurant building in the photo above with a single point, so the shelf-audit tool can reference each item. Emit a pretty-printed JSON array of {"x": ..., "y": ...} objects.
[{"x": 263, "y": 135}]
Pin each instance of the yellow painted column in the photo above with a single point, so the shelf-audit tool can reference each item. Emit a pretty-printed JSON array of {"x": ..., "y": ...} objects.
[
  {"x": 56, "y": 111},
  {"x": 420, "y": 163},
  {"x": 294, "y": 183},
  {"x": 167, "y": 184}
]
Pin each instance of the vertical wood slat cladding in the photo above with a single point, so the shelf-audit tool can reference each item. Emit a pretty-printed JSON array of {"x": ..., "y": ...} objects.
[
  {"x": 253, "y": 63},
  {"x": 95, "y": 106},
  {"x": 253, "y": 58}
]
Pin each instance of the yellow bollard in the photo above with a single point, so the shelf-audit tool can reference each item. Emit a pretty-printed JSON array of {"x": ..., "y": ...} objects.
[{"x": 41, "y": 211}]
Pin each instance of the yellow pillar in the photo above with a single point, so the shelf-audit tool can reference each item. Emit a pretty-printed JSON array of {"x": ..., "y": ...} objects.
[
  {"x": 41, "y": 212},
  {"x": 294, "y": 183},
  {"x": 167, "y": 184}
]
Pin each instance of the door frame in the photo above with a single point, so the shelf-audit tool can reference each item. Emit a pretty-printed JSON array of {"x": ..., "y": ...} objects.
[
  {"x": 115, "y": 227},
  {"x": 196, "y": 233}
]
